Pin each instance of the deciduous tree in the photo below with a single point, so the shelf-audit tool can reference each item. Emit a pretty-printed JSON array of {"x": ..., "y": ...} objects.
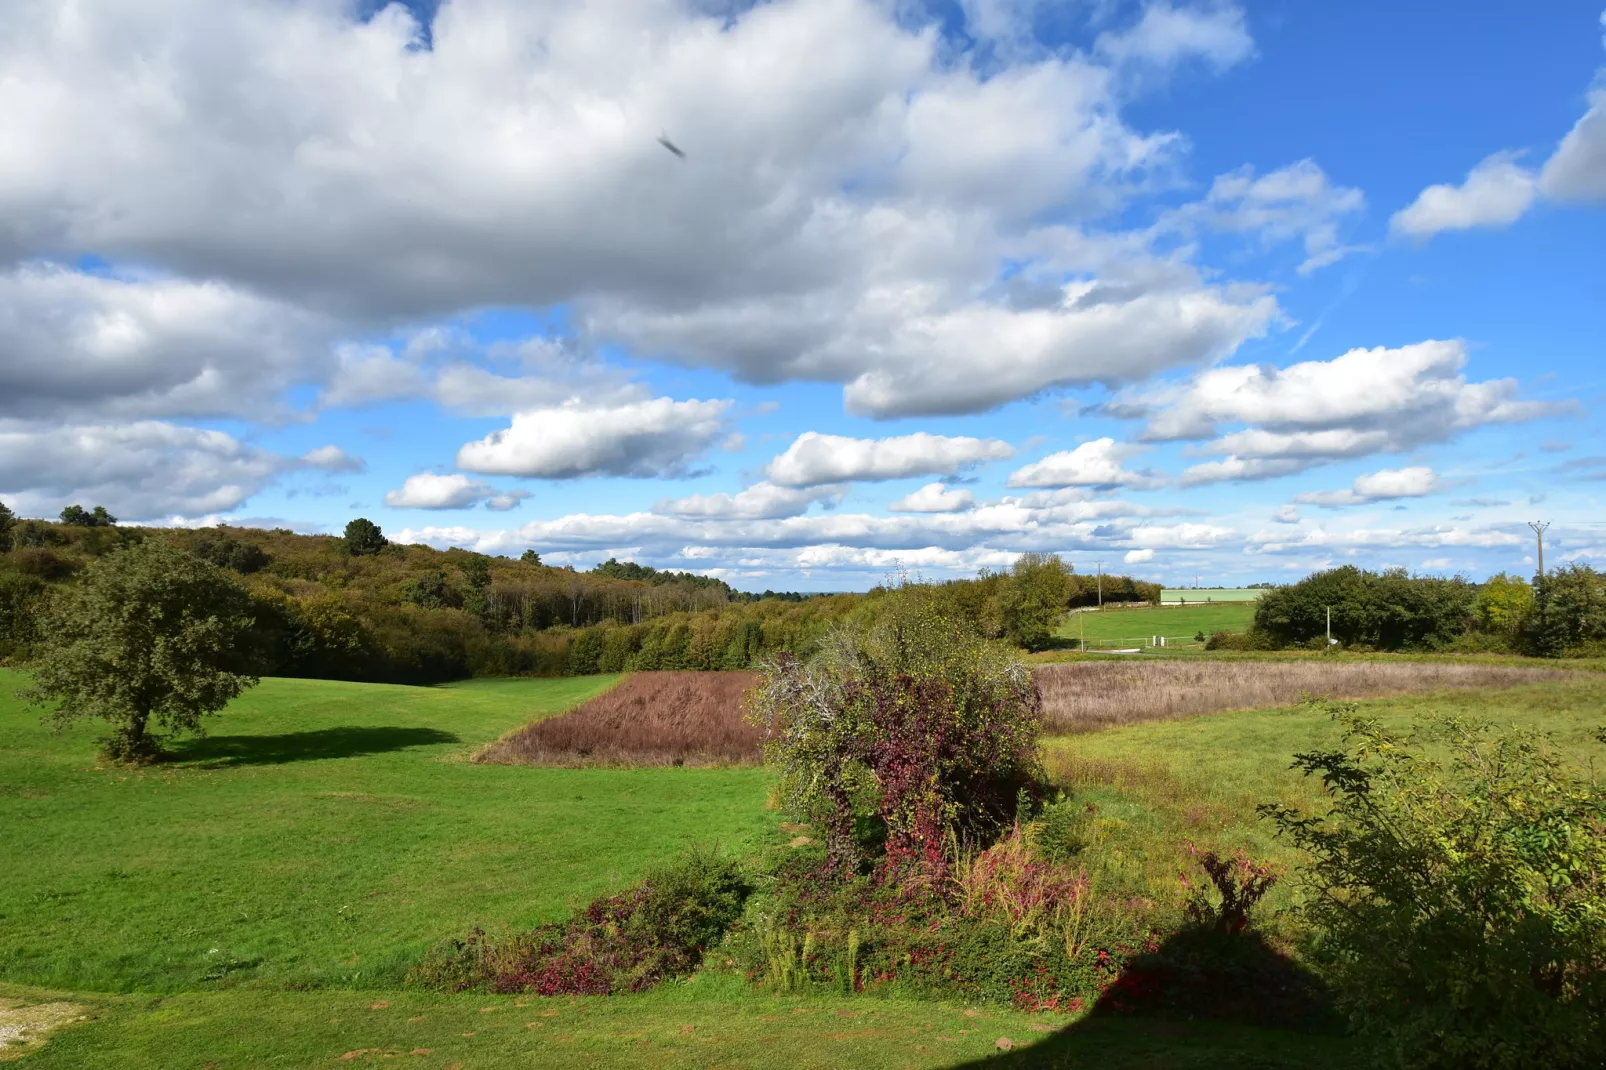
[{"x": 145, "y": 641}]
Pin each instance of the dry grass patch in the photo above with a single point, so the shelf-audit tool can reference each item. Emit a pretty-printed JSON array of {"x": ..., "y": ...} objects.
[
  {"x": 651, "y": 718},
  {"x": 1091, "y": 695},
  {"x": 24, "y": 1026}
]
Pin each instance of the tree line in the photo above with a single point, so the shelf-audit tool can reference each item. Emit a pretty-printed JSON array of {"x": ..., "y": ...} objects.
[
  {"x": 359, "y": 607},
  {"x": 1561, "y": 613}
]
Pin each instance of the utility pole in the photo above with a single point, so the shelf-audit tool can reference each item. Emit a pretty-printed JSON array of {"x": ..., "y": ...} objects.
[
  {"x": 1329, "y": 625},
  {"x": 1539, "y": 533},
  {"x": 1101, "y": 584}
]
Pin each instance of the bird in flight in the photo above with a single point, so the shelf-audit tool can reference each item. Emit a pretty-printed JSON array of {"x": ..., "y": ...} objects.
[{"x": 663, "y": 139}]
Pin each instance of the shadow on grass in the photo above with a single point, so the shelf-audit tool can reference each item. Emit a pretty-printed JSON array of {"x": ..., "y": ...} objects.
[
  {"x": 346, "y": 742},
  {"x": 1203, "y": 999}
]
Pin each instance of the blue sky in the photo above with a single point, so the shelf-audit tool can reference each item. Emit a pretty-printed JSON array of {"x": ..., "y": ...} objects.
[{"x": 1233, "y": 291}]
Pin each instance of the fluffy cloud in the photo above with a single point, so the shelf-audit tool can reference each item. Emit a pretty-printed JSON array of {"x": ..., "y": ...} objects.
[
  {"x": 1098, "y": 463},
  {"x": 333, "y": 459},
  {"x": 660, "y": 437},
  {"x": 76, "y": 346},
  {"x": 426, "y": 490},
  {"x": 817, "y": 459},
  {"x": 1295, "y": 202},
  {"x": 825, "y": 225},
  {"x": 1385, "y": 485},
  {"x": 935, "y": 498},
  {"x": 1286, "y": 514},
  {"x": 1138, "y": 557},
  {"x": 1365, "y": 401},
  {"x": 140, "y": 471},
  {"x": 761, "y": 501},
  {"x": 1496, "y": 192},
  {"x": 1577, "y": 169}
]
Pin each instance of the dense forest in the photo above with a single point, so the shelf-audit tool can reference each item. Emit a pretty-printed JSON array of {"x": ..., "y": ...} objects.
[{"x": 359, "y": 607}]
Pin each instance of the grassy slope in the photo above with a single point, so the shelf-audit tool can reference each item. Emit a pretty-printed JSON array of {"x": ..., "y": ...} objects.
[
  {"x": 1201, "y": 779},
  {"x": 324, "y": 833},
  {"x": 268, "y": 840},
  {"x": 1184, "y": 622}
]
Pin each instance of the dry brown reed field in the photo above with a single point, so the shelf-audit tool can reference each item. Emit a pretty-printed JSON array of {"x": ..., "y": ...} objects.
[
  {"x": 651, "y": 718},
  {"x": 1091, "y": 695}
]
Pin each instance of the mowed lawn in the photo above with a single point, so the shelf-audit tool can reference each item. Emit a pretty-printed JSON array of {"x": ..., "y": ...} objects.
[
  {"x": 258, "y": 901},
  {"x": 1181, "y": 623},
  {"x": 323, "y": 833}
]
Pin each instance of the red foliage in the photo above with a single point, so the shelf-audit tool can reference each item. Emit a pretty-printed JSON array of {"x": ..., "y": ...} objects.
[{"x": 1239, "y": 881}]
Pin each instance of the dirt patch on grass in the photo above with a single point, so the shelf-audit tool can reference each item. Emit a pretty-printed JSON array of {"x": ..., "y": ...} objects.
[
  {"x": 1088, "y": 696},
  {"x": 25, "y": 1026},
  {"x": 651, "y": 718}
]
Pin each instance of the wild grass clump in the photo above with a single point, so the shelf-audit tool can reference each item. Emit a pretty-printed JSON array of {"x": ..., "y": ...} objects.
[
  {"x": 1005, "y": 925},
  {"x": 1092, "y": 695},
  {"x": 651, "y": 718},
  {"x": 628, "y": 942}
]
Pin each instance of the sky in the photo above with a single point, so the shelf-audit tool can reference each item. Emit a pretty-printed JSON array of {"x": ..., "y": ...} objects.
[{"x": 805, "y": 293}]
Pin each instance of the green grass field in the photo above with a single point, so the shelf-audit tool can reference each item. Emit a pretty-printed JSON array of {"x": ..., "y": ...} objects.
[
  {"x": 322, "y": 834},
  {"x": 257, "y": 901},
  {"x": 1179, "y": 625}
]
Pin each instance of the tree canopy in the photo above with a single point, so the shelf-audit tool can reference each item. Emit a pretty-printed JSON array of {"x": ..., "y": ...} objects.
[
  {"x": 364, "y": 537},
  {"x": 145, "y": 640},
  {"x": 86, "y": 518}
]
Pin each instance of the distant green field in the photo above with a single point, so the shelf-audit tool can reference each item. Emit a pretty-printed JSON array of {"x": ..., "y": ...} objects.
[{"x": 1179, "y": 624}]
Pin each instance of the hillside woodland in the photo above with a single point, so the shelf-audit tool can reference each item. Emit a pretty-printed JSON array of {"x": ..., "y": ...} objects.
[{"x": 362, "y": 608}]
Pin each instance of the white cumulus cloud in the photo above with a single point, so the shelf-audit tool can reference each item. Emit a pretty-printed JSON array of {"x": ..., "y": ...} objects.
[
  {"x": 1099, "y": 463},
  {"x": 761, "y": 501},
  {"x": 658, "y": 437},
  {"x": 1577, "y": 169},
  {"x": 1495, "y": 192},
  {"x": 427, "y": 490},
  {"x": 1365, "y": 401},
  {"x": 814, "y": 458},
  {"x": 935, "y": 498},
  {"x": 332, "y": 458},
  {"x": 1385, "y": 485},
  {"x": 146, "y": 470}
]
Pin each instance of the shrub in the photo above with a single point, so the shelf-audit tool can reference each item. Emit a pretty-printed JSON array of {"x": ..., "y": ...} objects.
[
  {"x": 1239, "y": 884},
  {"x": 430, "y": 591},
  {"x": 628, "y": 942},
  {"x": 915, "y": 722},
  {"x": 243, "y": 557},
  {"x": 1457, "y": 884}
]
